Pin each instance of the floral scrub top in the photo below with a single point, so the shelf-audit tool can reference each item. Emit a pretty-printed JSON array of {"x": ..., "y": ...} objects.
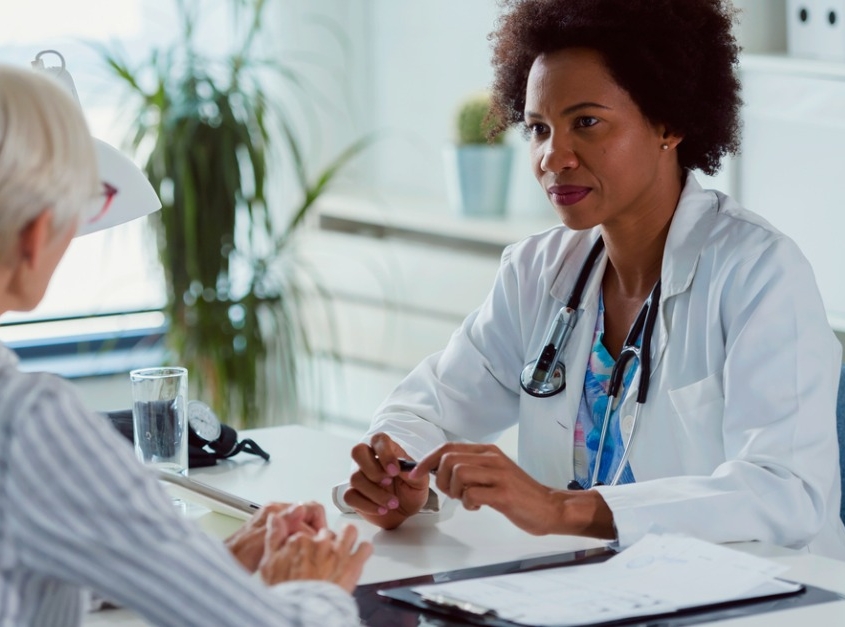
[{"x": 591, "y": 414}]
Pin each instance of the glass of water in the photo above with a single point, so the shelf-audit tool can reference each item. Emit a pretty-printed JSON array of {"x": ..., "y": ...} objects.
[{"x": 159, "y": 417}]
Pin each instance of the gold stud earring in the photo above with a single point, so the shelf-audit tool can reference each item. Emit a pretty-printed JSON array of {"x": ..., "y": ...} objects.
[{"x": 664, "y": 147}]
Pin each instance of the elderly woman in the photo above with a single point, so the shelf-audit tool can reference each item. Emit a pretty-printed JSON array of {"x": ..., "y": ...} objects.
[
  {"x": 718, "y": 418},
  {"x": 78, "y": 510}
]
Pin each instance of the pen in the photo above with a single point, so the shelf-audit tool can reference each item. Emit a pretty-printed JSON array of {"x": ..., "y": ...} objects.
[
  {"x": 407, "y": 464},
  {"x": 410, "y": 464}
]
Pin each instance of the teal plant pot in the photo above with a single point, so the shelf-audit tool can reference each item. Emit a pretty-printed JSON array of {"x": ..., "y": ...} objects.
[{"x": 477, "y": 178}]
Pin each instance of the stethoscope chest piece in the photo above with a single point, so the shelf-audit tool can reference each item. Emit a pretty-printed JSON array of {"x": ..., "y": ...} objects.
[
  {"x": 546, "y": 375},
  {"x": 536, "y": 383}
]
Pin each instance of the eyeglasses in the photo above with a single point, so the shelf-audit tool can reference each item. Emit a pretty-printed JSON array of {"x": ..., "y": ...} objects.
[{"x": 108, "y": 193}]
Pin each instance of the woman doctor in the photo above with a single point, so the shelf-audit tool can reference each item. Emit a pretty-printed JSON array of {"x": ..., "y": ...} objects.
[{"x": 736, "y": 439}]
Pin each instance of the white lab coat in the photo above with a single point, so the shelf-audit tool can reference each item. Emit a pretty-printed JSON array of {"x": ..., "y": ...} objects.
[{"x": 737, "y": 440}]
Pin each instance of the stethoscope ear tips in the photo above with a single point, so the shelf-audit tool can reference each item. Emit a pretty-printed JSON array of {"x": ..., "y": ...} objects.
[{"x": 538, "y": 383}]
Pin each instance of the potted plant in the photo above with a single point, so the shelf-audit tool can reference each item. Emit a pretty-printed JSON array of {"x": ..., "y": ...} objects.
[
  {"x": 207, "y": 132},
  {"x": 478, "y": 165}
]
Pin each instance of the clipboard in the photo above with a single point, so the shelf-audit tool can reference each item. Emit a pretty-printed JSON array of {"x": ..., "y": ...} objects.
[
  {"x": 377, "y": 608},
  {"x": 393, "y": 603},
  {"x": 470, "y": 613}
]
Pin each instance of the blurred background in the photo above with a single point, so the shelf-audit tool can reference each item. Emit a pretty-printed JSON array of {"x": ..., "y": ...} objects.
[{"x": 382, "y": 263}]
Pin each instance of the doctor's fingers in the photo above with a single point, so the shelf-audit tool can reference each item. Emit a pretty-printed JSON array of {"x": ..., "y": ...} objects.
[
  {"x": 388, "y": 452},
  {"x": 401, "y": 494},
  {"x": 440, "y": 457},
  {"x": 455, "y": 478},
  {"x": 379, "y": 460},
  {"x": 405, "y": 500},
  {"x": 534, "y": 518},
  {"x": 368, "y": 497},
  {"x": 528, "y": 504},
  {"x": 489, "y": 459},
  {"x": 368, "y": 464}
]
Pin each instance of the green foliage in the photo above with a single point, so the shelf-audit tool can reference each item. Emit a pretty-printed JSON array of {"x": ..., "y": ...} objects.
[
  {"x": 474, "y": 121},
  {"x": 207, "y": 129}
]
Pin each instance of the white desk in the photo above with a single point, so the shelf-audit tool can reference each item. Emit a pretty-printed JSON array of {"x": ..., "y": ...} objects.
[{"x": 305, "y": 464}]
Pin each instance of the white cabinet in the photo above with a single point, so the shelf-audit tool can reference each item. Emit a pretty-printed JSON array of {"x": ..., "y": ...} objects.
[{"x": 792, "y": 166}]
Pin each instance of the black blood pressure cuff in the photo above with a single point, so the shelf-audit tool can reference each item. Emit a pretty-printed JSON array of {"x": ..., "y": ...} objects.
[{"x": 201, "y": 453}]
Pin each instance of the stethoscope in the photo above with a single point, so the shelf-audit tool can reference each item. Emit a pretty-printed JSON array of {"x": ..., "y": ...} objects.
[{"x": 546, "y": 376}]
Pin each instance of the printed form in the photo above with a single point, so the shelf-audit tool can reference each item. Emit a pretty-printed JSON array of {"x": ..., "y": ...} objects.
[{"x": 659, "y": 574}]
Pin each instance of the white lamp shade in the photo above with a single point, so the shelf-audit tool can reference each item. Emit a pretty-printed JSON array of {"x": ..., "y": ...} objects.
[{"x": 130, "y": 193}]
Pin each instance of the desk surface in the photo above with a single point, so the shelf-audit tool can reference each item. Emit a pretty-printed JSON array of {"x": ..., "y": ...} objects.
[{"x": 306, "y": 463}]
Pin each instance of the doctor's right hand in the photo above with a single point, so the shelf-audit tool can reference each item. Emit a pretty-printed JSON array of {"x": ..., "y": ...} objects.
[{"x": 379, "y": 491}]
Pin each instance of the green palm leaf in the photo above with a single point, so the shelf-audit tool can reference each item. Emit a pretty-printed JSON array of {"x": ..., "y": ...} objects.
[{"x": 207, "y": 133}]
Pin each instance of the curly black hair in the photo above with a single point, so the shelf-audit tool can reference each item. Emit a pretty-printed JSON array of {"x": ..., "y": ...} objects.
[{"x": 677, "y": 59}]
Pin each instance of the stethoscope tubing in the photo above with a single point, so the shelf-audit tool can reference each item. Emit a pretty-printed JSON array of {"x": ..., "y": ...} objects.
[
  {"x": 622, "y": 462},
  {"x": 644, "y": 324},
  {"x": 546, "y": 376}
]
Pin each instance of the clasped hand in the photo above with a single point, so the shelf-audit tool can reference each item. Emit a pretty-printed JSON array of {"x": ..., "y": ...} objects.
[
  {"x": 285, "y": 542},
  {"x": 379, "y": 491}
]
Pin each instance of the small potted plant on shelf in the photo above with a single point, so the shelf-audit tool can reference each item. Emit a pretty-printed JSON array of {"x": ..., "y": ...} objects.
[{"x": 478, "y": 165}]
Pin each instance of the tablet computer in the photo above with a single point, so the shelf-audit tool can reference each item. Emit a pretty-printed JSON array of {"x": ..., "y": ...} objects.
[{"x": 208, "y": 496}]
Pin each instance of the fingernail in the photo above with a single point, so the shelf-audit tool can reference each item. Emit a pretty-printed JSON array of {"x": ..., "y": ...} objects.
[
  {"x": 386, "y": 481},
  {"x": 393, "y": 503},
  {"x": 382, "y": 511},
  {"x": 392, "y": 470}
]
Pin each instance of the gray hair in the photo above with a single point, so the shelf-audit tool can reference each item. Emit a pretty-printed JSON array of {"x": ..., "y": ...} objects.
[{"x": 47, "y": 158}]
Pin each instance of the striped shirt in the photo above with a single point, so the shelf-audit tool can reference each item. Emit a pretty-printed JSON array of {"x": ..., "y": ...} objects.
[{"x": 79, "y": 513}]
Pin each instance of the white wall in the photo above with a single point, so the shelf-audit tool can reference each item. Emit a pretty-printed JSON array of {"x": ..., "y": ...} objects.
[
  {"x": 762, "y": 25},
  {"x": 426, "y": 56},
  {"x": 401, "y": 71},
  {"x": 400, "y": 68}
]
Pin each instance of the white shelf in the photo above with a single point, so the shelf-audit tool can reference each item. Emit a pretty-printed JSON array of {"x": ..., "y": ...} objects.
[
  {"x": 427, "y": 220},
  {"x": 790, "y": 65}
]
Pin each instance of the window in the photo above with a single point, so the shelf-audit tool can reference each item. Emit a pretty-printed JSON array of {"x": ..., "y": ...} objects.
[
  {"x": 109, "y": 288},
  {"x": 108, "y": 282}
]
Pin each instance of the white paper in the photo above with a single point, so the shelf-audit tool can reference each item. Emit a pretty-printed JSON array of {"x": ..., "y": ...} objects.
[{"x": 658, "y": 574}]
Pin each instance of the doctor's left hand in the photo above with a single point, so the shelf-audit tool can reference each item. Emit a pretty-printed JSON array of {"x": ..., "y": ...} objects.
[{"x": 481, "y": 474}]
